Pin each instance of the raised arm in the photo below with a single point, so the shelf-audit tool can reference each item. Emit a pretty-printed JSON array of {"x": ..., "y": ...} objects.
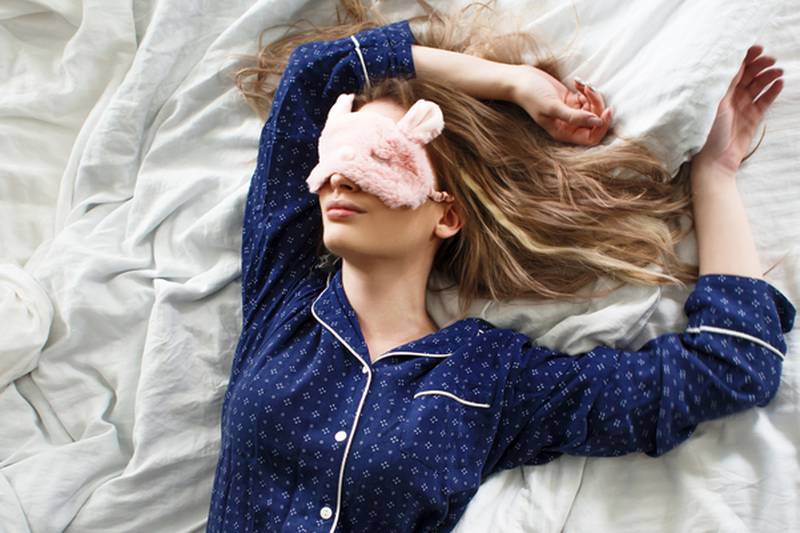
[
  {"x": 475, "y": 76},
  {"x": 610, "y": 402},
  {"x": 282, "y": 221},
  {"x": 724, "y": 240},
  {"x": 559, "y": 111}
]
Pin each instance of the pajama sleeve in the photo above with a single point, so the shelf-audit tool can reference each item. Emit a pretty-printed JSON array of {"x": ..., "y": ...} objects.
[
  {"x": 610, "y": 402},
  {"x": 282, "y": 220}
]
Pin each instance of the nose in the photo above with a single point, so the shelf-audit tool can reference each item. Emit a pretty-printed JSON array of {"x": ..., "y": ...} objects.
[{"x": 340, "y": 180}]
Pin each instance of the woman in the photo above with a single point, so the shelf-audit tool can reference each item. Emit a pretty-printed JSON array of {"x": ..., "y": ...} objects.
[{"x": 349, "y": 407}]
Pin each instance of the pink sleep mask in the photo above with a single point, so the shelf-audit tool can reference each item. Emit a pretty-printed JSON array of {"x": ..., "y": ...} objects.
[{"x": 382, "y": 157}]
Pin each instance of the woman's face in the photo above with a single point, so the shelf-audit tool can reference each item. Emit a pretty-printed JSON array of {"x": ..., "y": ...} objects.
[{"x": 382, "y": 232}]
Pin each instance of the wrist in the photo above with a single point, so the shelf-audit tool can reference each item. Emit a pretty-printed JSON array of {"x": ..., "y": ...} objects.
[
  {"x": 500, "y": 80},
  {"x": 508, "y": 80},
  {"x": 712, "y": 165},
  {"x": 707, "y": 174},
  {"x": 516, "y": 75}
]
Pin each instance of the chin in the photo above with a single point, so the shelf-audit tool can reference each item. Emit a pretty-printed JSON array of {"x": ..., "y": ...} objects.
[
  {"x": 341, "y": 245},
  {"x": 350, "y": 247}
]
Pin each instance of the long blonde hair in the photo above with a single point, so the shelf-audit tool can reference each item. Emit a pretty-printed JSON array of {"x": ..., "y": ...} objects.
[{"x": 543, "y": 218}]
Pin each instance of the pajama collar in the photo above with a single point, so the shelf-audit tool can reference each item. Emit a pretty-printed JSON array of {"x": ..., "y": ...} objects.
[{"x": 333, "y": 311}]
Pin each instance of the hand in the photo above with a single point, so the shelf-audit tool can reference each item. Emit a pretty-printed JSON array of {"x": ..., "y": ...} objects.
[
  {"x": 739, "y": 112},
  {"x": 567, "y": 116}
]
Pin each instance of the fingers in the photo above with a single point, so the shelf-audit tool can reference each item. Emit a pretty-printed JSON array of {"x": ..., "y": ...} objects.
[
  {"x": 594, "y": 99},
  {"x": 752, "y": 53},
  {"x": 768, "y": 97},
  {"x": 737, "y": 79},
  {"x": 570, "y": 115},
  {"x": 593, "y": 102},
  {"x": 575, "y": 111},
  {"x": 757, "y": 75},
  {"x": 582, "y": 103},
  {"x": 754, "y": 68},
  {"x": 592, "y": 135},
  {"x": 581, "y": 119},
  {"x": 576, "y": 100},
  {"x": 595, "y": 135},
  {"x": 585, "y": 119},
  {"x": 762, "y": 80},
  {"x": 598, "y": 106}
]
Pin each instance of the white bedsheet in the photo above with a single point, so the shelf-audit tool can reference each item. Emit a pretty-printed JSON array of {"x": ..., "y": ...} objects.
[{"x": 126, "y": 155}]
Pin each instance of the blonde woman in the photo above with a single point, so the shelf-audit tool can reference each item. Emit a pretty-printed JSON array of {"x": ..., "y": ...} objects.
[{"x": 348, "y": 407}]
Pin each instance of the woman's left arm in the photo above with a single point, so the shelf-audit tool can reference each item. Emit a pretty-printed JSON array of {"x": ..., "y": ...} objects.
[
  {"x": 609, "y": 402},
  {"x": 475, "y": 76}
]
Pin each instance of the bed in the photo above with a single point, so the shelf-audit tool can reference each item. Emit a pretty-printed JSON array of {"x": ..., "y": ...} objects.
[{"x": 126, "y": 159}]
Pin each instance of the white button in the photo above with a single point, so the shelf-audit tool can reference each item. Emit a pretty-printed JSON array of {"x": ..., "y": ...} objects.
[
  {"x": 363, "y": 370},
  {"x": 325, "y": 512},
  {"x": 340, "y": 436}
]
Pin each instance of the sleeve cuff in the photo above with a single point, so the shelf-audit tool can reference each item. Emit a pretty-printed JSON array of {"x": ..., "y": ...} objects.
[{"x": 741, "y": 306}]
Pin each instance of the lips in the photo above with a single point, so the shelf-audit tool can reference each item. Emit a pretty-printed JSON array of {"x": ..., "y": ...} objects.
[{"x": 343, "y": 204}]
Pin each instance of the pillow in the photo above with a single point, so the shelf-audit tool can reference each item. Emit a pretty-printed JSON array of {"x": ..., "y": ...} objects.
[{"x": 663, "y": 67}]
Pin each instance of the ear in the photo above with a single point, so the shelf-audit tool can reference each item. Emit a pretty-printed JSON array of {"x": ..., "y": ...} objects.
[
  {"x": 423, "y": 122},
  {"x": 342, "y": 106},
  {"x": 450, "y": 222}
]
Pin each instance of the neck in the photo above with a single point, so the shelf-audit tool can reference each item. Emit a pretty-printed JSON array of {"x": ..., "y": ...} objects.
[{"x": 388, "y": 297}]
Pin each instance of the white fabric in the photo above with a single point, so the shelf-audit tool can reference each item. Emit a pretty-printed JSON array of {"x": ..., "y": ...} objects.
[{"x": 126, "y": 156}]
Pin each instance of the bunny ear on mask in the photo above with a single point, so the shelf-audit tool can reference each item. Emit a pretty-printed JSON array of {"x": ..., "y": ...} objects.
[
  {"x": 342, "y": 106},
  {"x": 423, "y": 122}
]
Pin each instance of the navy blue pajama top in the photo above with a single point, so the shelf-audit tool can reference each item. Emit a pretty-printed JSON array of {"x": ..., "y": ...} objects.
[{"x": 317, "y": 437}]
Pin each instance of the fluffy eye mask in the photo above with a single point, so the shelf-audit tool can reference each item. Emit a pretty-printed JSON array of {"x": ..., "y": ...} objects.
[{"x": 383, "y": 157}]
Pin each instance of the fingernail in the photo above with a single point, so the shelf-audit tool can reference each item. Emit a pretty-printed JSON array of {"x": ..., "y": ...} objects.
[{"x": 596, "y": 122}]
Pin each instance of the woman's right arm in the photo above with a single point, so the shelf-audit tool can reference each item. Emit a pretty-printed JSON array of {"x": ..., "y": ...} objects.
[{"x": 282, "y": 219}]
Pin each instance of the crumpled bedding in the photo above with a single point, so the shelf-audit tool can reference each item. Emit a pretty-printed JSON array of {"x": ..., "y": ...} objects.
[{"x": 127, "y": 153}]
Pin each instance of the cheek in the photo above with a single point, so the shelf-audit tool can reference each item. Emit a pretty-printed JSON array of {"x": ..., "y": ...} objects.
[
  {"x": 406, "y": 227},
  {"x": 383, "y": 228}
]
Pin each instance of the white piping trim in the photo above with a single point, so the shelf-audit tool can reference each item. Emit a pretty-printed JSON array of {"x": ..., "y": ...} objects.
[
  {"x": 453, "y": 396},
  {"x": 366, "y": 390},
  {"x": 358, "y": 410},
  {"x": 485, "y": 307},
  {"x": 714, "y": 329},
  {"x": 363, "y": 64}
]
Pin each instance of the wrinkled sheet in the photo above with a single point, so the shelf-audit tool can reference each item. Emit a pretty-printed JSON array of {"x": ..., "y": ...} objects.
[{"x": 126, "y": 158}]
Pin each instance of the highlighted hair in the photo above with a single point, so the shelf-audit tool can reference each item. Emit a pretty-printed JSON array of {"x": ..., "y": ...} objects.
[{"x": 542, "y": 218}]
